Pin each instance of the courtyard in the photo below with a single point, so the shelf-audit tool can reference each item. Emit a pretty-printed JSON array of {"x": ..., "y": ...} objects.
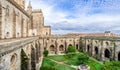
[{"x": 63, "y": 62}]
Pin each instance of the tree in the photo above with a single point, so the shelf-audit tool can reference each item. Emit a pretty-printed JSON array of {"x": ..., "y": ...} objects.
[
  {"x": 83, "y": 59},
  {"x": 113, "y": 65},
  {"x": 71, "y": 49},
  {"x": 45, "y": 53},
  {"x": 81, "y": 45}
]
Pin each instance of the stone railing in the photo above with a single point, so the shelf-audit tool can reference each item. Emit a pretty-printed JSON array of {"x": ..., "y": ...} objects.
[{"x": 7, "y": 47}]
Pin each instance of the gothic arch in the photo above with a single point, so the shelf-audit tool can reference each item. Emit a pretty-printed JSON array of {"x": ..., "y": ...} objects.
[
  {"x": 96, "y": 50},
  {"x": 52, "y": 49},
  {"x": 61, "y": 48},
  {"x": 70, "y": 45},
  {"x": 88, "y": 48},
  {"x": 77, "y": 47},
  {"x": 119, "y": 56},
  {"x": 13, "y": 59},
  {"x": 24, "y": 60},
  {"x": 107, "y": 53}
]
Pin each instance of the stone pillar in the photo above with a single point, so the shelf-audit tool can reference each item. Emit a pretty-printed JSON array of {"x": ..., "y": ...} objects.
[
  {"x": 116, "y": 56},
  {"x": 102, "y": 55},
  {"x": 14, "y": 24},
  {"x": 29, "y": 64},
  {"x": 22, "y": 27},
  {"x": 0, "y": 21},
  {"x": 27, "y": 28},
  {"x": 93, "y": 50}
]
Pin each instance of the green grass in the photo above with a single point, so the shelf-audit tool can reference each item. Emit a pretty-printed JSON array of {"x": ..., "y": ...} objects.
[
  {"x": 69, "y": 61},
  {"x": 63, "y": 67},
  {"x": 48, "y": 62},
  {"x": 58, "y": 58}
]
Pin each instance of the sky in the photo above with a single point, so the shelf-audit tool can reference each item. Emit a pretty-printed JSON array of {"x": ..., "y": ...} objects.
[{"x": 80, "y": 16}]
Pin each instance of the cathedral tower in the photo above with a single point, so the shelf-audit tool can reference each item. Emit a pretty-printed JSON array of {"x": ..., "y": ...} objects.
[{"x": 29, "y": 8}]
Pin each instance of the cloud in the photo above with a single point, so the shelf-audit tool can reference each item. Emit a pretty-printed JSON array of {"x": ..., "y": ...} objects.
[{"x": 80, "y": 15}]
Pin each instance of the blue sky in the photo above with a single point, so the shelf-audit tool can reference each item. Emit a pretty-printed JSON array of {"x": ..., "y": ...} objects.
[{"x": 80, "y": 16}]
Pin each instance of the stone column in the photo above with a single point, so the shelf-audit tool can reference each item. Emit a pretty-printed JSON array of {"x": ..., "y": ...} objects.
[
  {"x": 14, "y": 24},
  {"x": 102, "y": 54},
  {"x": 116, "y": 56},
  {"x": 93, "y": 50},
  {"x": 22, "y": 27},
  {"x": 0, "y": 21},
  {"x": 27, "y": 28},
  {"x": 29, "y": 64}
]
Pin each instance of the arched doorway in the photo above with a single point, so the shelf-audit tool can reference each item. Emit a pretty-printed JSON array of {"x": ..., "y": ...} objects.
[
  {"x": 107, "y": 53},
  {"x": 24, "y": 61},
  {"x": 77, "y": 47},
  {"x": 52, "y": 49},
  {"x": 33, "y": 59},
  {"x": 96, "y": 50},
  {"x": 119, "y": 56}
]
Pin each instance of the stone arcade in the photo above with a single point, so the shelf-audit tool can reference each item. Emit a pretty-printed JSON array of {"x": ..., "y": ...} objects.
[{"x": 23, "y": 38}]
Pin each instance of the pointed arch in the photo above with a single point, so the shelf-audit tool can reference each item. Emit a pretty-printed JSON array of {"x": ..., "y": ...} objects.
[
  {"x": 24, "y": 61},
  {"x": 52, "y": 49},
  {"x": 96, "y": 50},
  {"x": 107, "y": 53}
]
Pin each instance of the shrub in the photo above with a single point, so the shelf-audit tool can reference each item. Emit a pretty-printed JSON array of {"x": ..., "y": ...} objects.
[
  {"x": 71, "y": 49},
  {"x": 82, "y": 59},
  {"x": 45, "y": 53}
]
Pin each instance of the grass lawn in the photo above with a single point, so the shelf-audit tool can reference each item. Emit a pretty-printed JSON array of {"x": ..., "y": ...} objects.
[
  {"x": 67, "y": 62},
  {"x": 48, "y": 62}
]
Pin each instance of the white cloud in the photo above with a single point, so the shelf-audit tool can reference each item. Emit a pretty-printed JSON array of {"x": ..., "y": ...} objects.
[{"x": 86, "y": 19}]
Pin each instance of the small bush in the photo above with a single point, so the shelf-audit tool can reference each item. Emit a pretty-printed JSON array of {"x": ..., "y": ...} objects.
[
  {"x": 71, "y": 49},
  {"x": 45, "y": 53}
]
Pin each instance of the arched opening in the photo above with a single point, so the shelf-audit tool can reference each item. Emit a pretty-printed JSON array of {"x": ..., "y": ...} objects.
[
  {"x": 70, "y": 44},
  {"x": 33, "y": 59},
  {"x": 88, "y": 48},
  {"x": 61, "y": 48},
  {"x": 52, "y": 49},
  {"x": 24, "y": 61},
  {"x": 119, "y": 56},
  {"x": 77, "y": 47},
  {"x": 13, "y": 59},
  {"x": 96, "y": 50},
  {"x": 107, "y": 53}
]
